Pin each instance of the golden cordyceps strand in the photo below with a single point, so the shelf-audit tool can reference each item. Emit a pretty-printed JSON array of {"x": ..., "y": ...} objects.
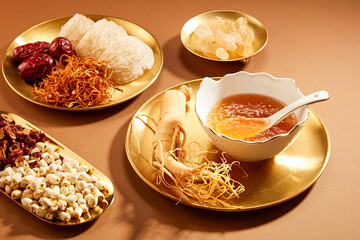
[{"x": 76, "y": 82}]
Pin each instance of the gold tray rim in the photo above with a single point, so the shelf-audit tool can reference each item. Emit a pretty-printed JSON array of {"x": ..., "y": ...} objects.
[
  {"x": 110, "y": 198},
  {"x": 184, "y": 36},
  {"x": 219, "y": 209},
  {"x": 158, "y": 57}
]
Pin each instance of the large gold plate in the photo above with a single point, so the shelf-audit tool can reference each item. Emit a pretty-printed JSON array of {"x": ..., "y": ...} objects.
[
  {"x": 269, "y": 182},
  {"x": 188, "y": 39},
  {"x": 49, "y": 30},
  {"x": 66, "y": 152}
]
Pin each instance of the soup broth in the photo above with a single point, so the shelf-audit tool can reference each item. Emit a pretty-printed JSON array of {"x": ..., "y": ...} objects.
[{"x": 248, "y": 106}]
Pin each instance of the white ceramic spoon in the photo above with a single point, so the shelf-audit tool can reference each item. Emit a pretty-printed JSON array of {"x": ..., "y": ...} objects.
[
  {"x": 307, "y": 100},
  {"x": 249, "y": 127}
]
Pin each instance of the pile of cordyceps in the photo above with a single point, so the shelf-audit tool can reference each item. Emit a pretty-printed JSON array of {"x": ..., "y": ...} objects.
[{"x": 16, "y": 141}]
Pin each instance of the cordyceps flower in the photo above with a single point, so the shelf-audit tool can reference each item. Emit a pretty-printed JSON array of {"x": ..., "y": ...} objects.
[{"x": 76, "y": 82}]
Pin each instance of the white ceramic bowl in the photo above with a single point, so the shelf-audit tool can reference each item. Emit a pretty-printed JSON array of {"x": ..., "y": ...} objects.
[{"x": 283, "y": 89}]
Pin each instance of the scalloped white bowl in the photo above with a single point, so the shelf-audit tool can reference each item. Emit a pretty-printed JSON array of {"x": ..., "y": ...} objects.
[{"x": 282, "y": 89}]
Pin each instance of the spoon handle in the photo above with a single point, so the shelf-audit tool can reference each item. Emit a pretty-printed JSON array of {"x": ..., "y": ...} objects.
[{"x": 311, "y": 98}]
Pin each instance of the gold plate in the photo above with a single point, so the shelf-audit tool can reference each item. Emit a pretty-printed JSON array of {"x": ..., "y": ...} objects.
[
  {"x": 66, "y": 152},
  {"x": 49, "y": 30},
  {"x": 187, "y": 36},
  {"x": 269, "y": 182}
]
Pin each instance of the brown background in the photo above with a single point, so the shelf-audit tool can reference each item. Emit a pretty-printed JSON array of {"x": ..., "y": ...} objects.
[{"x": 314, "y": 42}]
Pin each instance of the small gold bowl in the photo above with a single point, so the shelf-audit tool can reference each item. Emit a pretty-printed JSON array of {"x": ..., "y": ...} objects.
[{"x": 188, "y": 37}]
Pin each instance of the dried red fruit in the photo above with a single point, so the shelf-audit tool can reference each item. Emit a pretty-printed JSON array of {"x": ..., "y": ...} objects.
[
  {"x": 16, "y": 142},
  {"x": 2, "y": 133},
  {"x": 26, "y": 150},
  {"x": 36, "y": 67},
  {"x": 30, "y": 141},
  {"x": 19, "y": 161},
  {"x": 2, "y": 154},
  {"x": 6, "y": 118},
  {"x": 15, "y": 154},
  {"x": 23, "y": 52},
  {"x": 23, "y": 133},
  {"x": 36, "y": 154},
  {"x": 60, "y": 46},
  {"x": 15, "y": 147},
  {"x": 33, "y": 163},
  {"x": 9, "y": 131}
]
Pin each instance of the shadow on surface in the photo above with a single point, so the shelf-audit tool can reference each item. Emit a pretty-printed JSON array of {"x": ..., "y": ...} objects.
[
  {"x": 36, "y": 113},
  {"x": 180, "y": 62},
  {"x": 150, "y": 206},
  {"x": 203, "y": 220}
]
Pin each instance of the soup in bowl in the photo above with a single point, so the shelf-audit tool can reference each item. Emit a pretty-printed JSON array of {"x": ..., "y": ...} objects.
[{"x": 220, "y": 104}]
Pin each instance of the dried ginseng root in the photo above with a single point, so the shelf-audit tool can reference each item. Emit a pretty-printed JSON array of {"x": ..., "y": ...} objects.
[{"x": 207, "y": 182}]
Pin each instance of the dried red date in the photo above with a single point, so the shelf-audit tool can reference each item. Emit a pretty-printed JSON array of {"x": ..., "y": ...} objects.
[
  {"x": 9, "y": 131},
  {"x": 36, "y": 67},
  {"x": 23, "y": 133},
  {"x": 30, "y": 141},
  {"x": 19, "y": 161},
  {"x": 60, "y": 46},
  {"x": 26, "y": 150},
  {"x": 33, "y": 163},
  {"x": 36, "y": 154},
  {"x": 6, "y": 118},
  {"x": 16, "y": 154},
  {"x": 23, "y": 52},
  {"x": 2, "y": 133},
  {"x": 35, "y": 135},
  {"x": 12, "y": 149}
]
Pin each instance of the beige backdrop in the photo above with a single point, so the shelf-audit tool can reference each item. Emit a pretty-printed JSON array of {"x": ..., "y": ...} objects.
[{"x": 314, "y": 42}]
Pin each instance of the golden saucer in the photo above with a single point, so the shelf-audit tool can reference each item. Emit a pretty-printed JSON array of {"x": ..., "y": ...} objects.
[
  {"x": 187, "y": 36},
  {"x": 269, "y": 182},
  {"x": 66, "y": 152},
  {"x": 49, "y": 30}
]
